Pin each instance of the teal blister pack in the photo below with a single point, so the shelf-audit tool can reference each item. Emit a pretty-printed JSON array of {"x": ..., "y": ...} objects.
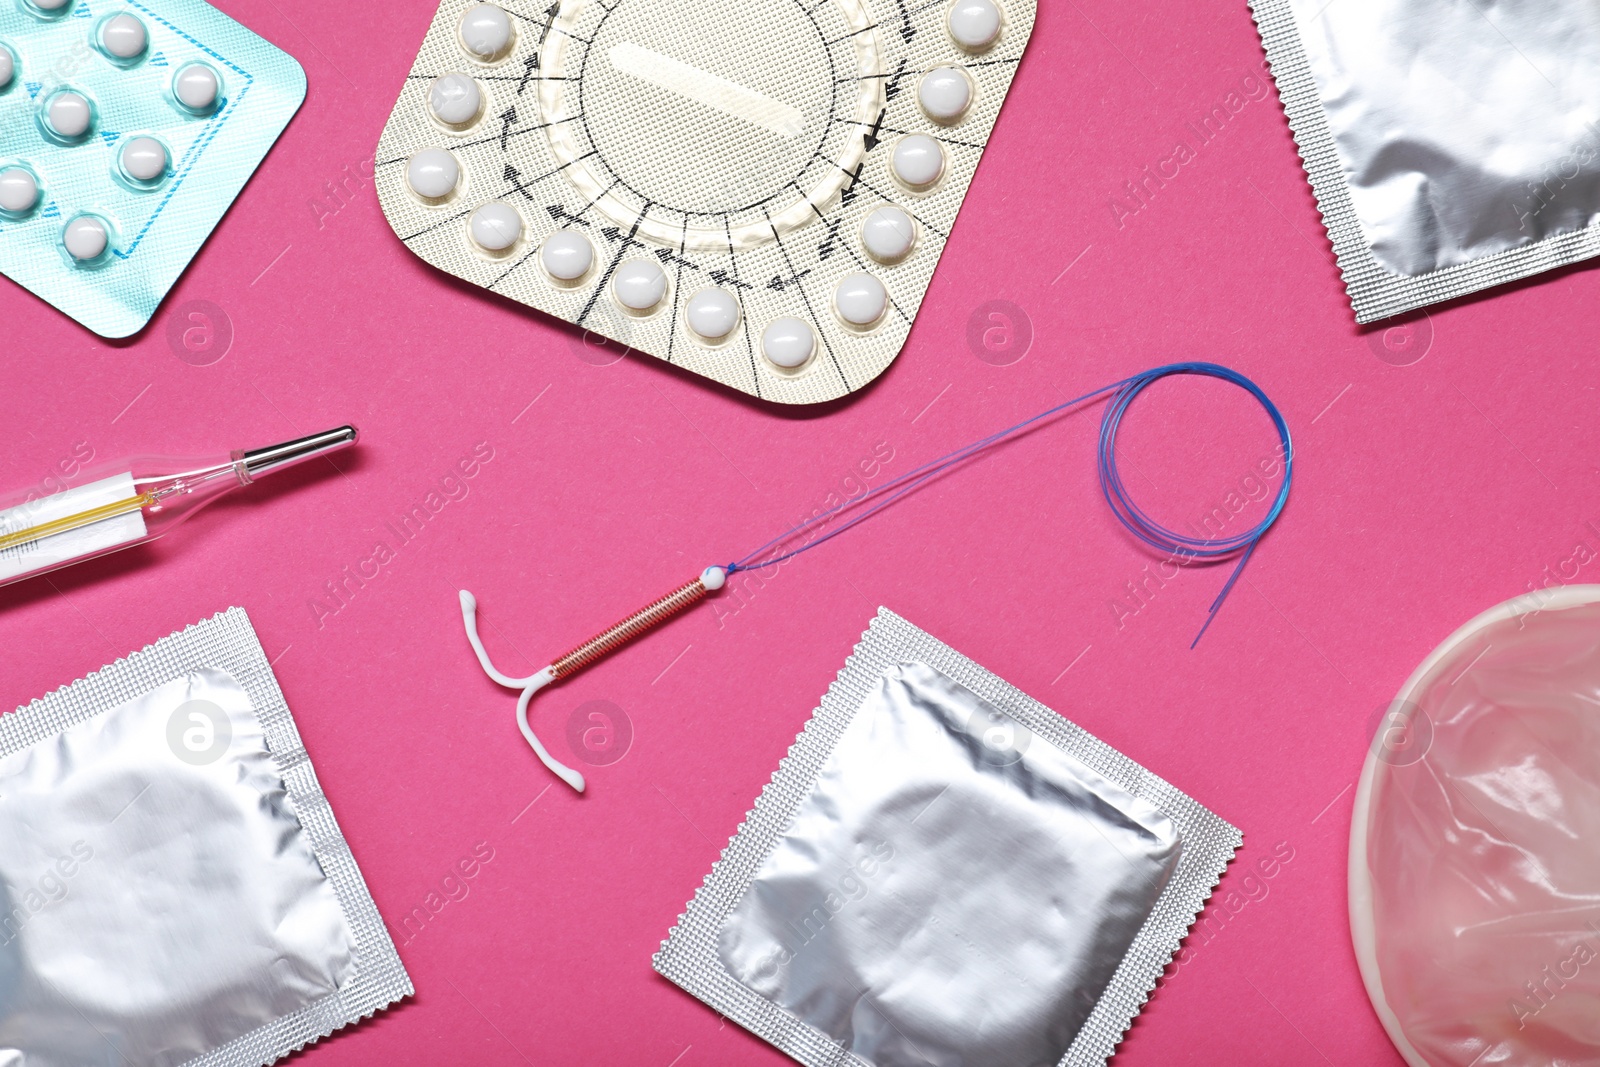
[{"x": 126, "y": 131}]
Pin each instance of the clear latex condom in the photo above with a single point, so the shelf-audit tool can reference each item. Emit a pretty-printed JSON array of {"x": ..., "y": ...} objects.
[{"x": 1475, "y": 843}]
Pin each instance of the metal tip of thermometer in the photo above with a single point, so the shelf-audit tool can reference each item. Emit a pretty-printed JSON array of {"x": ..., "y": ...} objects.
[{"x": 259, "y": 461}]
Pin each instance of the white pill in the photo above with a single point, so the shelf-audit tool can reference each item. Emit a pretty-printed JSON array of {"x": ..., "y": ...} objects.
[
  {"x": 712, "y": 313},
  {"x": 85, "y": 238},
  {"x": 496, "y": 226},
  {"x": 433, "y": 173},
  {"x": 918, "y": 160},
  {"x": 196, "y": 86},
  {"x": 639, "y": 284},
  {"x": 455, "y": 99},
  {"x": 68, "y": 114},
  {"x": 486, "y": 31},
  {"x": 8, "y": 66},
  {"x": 567, "y": 255},
  {"x": 123, "y": 36},
  {"x": 888, "y": 234},
  {"x": 945, "y": 94},
  {"x": 788, "y": 342},
  {"x": 51, "y": 5},
  {"x": 19, "y": 190},
  {"x": 860, "y": 299},
  {"x": 144, "y": 159},
  {"x": 974, "y": 23}
]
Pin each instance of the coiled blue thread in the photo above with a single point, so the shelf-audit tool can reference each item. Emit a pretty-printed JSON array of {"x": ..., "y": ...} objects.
[{"x": 1122, "y": 505}]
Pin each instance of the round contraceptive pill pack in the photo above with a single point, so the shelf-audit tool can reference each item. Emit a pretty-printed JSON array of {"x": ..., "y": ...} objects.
[
  {"x": 126, "y": 131},
  {"x": 758, "y": 193}
]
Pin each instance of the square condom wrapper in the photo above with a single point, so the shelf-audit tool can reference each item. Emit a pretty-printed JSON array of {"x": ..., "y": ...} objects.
[
  {"x": 945, "y": 873},
  {"x": 173, "y": 886},
  {"x": 723, "y": 159},
  {"x": 1452, "y": 146},
  {"x": 154, "y": 227}
]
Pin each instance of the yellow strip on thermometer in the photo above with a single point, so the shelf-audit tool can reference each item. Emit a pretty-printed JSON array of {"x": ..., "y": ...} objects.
[{"x": 29, "y": 534}]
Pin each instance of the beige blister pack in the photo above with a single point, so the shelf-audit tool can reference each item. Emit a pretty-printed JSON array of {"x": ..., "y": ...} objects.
[{"x": 755, "y": 192}]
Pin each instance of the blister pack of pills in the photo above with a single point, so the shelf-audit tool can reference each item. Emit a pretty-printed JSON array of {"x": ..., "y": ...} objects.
[
  {"x": 756, "y": 192},
  {"x": 127, "y": 131}
]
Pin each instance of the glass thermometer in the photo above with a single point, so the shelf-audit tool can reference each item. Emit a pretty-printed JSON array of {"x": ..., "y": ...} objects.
[{"x": 134, "y": 501}]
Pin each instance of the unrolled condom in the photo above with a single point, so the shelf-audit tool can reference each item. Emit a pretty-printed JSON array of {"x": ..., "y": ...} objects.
[{"x": 1474, "y": 883}]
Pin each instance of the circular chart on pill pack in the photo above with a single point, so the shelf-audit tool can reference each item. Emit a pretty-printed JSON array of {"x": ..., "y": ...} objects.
[
  {"x": 721, "y": 137},
  {"x": 758, "y": 193}
]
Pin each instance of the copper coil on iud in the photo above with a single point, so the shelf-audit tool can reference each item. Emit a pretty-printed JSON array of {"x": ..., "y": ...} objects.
[{"x": 616, "y": 636}]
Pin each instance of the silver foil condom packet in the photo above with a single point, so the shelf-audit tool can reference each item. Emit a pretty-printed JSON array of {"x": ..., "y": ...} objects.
[
  {"x": 173, "y": 886},
  {"x": 943, "y": 872},
  {"x": 1451, "y": 146}
]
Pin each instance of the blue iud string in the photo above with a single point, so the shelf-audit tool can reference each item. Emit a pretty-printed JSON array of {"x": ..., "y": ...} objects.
[
  {"x": 1122, "y": 505},
  {"x": 1137, "y": 522}
]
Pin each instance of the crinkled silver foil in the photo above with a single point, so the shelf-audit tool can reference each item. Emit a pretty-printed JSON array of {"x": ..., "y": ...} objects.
[
  {"x": 1452, "y": 145},
  {"x": 173, "y": 886},
  {"x": 945, "y": 873}
]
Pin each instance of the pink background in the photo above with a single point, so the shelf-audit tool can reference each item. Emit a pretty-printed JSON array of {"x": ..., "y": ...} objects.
[{"x": 1424, "y": 493}]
